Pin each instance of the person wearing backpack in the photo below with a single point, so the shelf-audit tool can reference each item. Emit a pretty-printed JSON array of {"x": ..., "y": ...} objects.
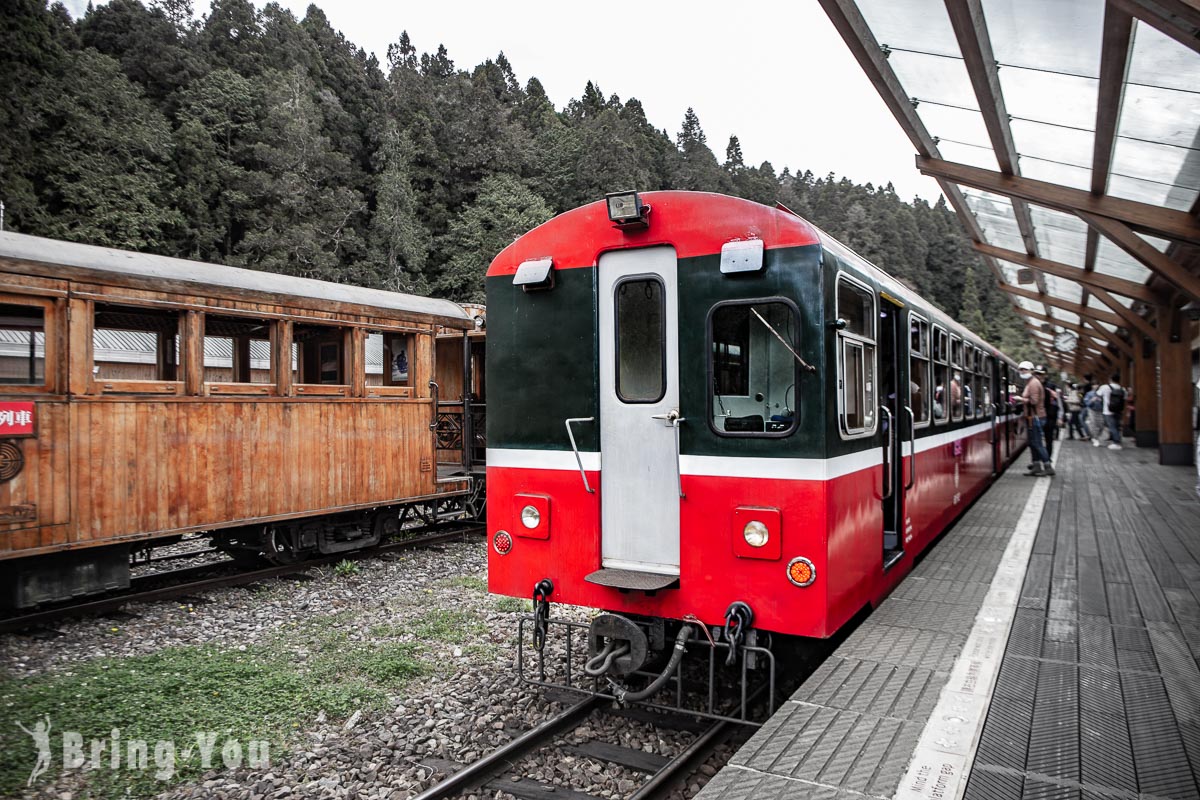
[
  {"x": 1114, "y": 408},
  {"x": 1053, "y": 410},
  {"x": 1094, "y": 407}
]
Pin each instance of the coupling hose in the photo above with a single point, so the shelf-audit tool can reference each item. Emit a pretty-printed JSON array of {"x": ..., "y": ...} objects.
[{"x": 681, "y": 639}]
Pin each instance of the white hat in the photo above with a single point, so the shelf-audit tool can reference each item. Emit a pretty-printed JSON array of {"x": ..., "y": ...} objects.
[{"x": 1025, "y": 366}]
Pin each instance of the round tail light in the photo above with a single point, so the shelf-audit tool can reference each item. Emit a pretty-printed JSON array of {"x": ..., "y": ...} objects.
[
  {"x": 502, "y": 542},
  {"x": 801, "y": 572}
]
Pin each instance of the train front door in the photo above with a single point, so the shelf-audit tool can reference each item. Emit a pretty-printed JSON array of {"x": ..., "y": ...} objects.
[
  {"x": 639, "y": 412},
  {"x": 895, "y": 424}
]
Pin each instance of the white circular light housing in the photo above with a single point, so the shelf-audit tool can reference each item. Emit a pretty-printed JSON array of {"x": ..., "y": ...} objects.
[
  {"x": 755, "y": 533},
  {"x": 530, "y": 517}
]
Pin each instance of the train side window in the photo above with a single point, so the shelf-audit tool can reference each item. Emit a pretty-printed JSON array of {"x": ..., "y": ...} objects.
[
  {"x": 985, "y": 387},
  {"x": 968, "y": 383},
  {"x": 918, "y": 349},
  {"x": 23, "y": 345},
  {"x": 319, "y": 353},
  {"x": 136, "y": 349},
  {"x": 941, "y": 375},
  {"x": 389, "y": 363},
  {"x": 856, "y": 358},
  {"x": 237, "y": 354},
  {"x": 752, "y": 372},
  {"x": 641, "y": 340},
  {"x": 956, "y": 378}
]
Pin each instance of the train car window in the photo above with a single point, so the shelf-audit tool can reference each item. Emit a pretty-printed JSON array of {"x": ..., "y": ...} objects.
[
  {"x": 319, "y": 354},
  {"x": 985, "y": 386},
  {"x": 977, "y": 406},
  {"x": 388, "y": 357},
  {"x": 237, "y": 350},
  {"x": 641, "y": 340},
  {"x": 941, "y": 375},
  {"x": 956, "y": 378},
  {"x": 22, "y": 345},
  {"x": 968, "y": 385},
  {"x": 753, "y": 373},
  {"x": 919, "y": 386},
  {"x": 132, "y": 345},
  {"x": 856, "y": 356}
]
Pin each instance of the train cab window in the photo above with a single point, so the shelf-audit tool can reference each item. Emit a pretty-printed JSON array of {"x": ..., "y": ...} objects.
[
  {"x": 22, "y": 345},
  {"x": 856, "y": 358},
  {"x": 320, "y": 354},
  {"x": 389, "y": 359},
  {"x": 985, "y": 386},
  {"x": 641, "y": 340},
  {"x": 753, "y": 372},
  {"x": 956, "y": 379},
  {"x": 919, "y": 378},
  {"x": 136, "y": 349},
  {"x": 237, "y": 350},
  {"x": 941, "y": 375}
]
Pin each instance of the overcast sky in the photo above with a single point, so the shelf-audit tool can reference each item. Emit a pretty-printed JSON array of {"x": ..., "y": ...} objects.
[{"x": 775, "y": 74}]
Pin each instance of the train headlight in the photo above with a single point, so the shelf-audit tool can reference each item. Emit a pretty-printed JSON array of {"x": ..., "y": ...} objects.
[
  {"x": 531, "y": 517},
  {"x": 502, "y": 543},
  {"x": 801, "y": 572},
  {"x": 755, "y": 533}
]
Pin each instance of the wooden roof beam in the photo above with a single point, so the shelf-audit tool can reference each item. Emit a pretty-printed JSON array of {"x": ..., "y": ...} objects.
[
  {"x": 1142, "y": 217},
  {"x": 1114, "y": 65},
  {"x": 1130, "y": 289},
  {"x": 1112, "y": 338},
  {"x": 1089, "y": 329},
  {"x": 1133, "y": 320},
  {"x": 1176, "y": 18},
  {"x": 1154, "y": 260},
  {"x": 1066, "y": 305}
]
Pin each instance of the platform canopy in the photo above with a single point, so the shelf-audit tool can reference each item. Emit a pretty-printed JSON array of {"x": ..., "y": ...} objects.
[{"x": 1066, "y": 136}]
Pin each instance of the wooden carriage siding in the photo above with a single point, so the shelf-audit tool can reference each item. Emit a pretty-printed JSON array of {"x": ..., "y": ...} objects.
[{"x": 116, "y": 459}]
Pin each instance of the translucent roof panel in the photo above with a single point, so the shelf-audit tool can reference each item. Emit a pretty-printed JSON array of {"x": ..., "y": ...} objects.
[
  {"x": 1064, "y": 289},
  {"x": 1159, "y": 60},
  {"x": 1055, "y": 172},
  {"x": 1030, "y": 305},
  {"x": 1048, "y": 97},
  {"x": 1067, "y": 316},
  {"x": 956, "y": 124},
  {"x": 1156, "y": 194},
  {"x": 1156, "y": 114},
  {"x": 1161, "y": 163},
  {"x": 995, "y": 215},
  {"x": 1053, "y": 142},
  {"x": 934, "y": 78},
  {"x": 1112, "y": 260},
  {"x": 972, "y": 156},
  {"x": 914, "y": 25},
  {"x": 1060, "y": 237},
  {"x": 1061, "y": 36}
]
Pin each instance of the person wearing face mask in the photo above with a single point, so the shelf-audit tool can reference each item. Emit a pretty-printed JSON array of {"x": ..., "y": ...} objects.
[{"x": 1034, "y": 398}]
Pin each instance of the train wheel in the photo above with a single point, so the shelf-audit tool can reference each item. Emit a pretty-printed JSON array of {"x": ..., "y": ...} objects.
[
  {"x": 387, "y": 525},
  {"x": 278, "y": 547}
]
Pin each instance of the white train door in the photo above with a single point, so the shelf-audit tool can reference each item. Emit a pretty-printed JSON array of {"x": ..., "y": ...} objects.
[{"x": 639, "y": 400}]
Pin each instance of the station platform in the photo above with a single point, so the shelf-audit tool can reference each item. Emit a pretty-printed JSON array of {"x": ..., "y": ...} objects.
[{"x": 1047, "y": 646}]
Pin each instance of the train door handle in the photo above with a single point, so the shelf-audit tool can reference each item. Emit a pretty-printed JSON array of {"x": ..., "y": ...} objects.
[
  {"x": 912, "y": 440},
  {"x": 887, "y": 450},
  {"x": 575, "y": 450}
]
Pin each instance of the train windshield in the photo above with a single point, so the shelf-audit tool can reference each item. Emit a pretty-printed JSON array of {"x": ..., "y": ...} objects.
[{"x": 754, "y": 368}]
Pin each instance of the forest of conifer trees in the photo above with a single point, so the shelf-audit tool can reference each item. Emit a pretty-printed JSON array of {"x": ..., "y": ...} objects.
[{"x": 256, "y": 139}]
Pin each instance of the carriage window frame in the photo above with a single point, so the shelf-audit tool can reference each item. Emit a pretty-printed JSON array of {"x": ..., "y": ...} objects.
[
  {"x": 968, "y": 373},
  {"x": 344, "y": 346},
  {"x": 869, "y": 346},
  {"x": 985, "y": 385},
  {"x": 153, "y": 386},
  {"x": 50, "y": 354},
  {"x": 711, "y": 375},
  {"x": 956, "y": 363},
  {"x": 662, "y": 339},
  {"x": 925, "y": 354},
  {"x": 268, "y": 387},
  {"x": 940, "y": 336}
]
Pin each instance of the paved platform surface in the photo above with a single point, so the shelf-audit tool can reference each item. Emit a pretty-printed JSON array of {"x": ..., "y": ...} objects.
[{"x": 1096, "y": 695}]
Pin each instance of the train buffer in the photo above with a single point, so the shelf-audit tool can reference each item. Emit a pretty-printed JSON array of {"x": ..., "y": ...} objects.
[{"x": 1047, "y": 644}]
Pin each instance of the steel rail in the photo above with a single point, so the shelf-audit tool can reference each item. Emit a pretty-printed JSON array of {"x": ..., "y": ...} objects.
[
  {"x": 678, "y": 768},
  {"x": 479, "y": 772},
  {"x": 106, "y": 604}
]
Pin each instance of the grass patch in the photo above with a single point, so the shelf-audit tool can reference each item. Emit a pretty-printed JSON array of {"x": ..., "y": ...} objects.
[
  {"x": 263, "y": 693},
  {"x": 514, "y": 605},
  {"x": 467, "y": 582},
  {"x": 455, "y": 627},
  {"x": 345, "y": 568}
]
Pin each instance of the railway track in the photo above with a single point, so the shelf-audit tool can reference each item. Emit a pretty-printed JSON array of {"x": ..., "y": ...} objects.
[
  {"x": 197, "y": 579},
  {"x": 500, "y": 770}
]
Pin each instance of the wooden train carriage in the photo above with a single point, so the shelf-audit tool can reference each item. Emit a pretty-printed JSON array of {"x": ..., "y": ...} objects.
[
  {"x": 288, "y": 424},
  {"x": 462, "y": 406},
  {"x": 710, "y": 401}
]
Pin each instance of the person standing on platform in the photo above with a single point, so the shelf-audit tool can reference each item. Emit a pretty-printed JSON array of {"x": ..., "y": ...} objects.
[
  {"x": 1053, "y": 409},
  {"x": 1073, "y": 402},
  {"x": 1034, "y": 398},
  {"x": 1113, "y": 396}
]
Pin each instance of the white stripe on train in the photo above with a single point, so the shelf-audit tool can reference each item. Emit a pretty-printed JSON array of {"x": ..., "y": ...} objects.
[{"x": 801, "y": 469}]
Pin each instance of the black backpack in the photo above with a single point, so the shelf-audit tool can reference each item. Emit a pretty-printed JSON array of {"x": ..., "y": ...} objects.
[{"x": 1116, "y": 400}]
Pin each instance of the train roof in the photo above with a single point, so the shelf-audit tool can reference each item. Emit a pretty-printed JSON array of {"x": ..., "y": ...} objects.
[
  {"x": 701, "y": 222},
  {"x": 58, "y": 259}
]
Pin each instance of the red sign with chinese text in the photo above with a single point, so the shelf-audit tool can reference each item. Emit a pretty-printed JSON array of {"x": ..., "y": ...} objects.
[{"x": 17, "y": 419}]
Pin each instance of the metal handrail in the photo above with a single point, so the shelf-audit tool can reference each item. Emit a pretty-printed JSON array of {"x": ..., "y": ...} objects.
[
  {"x": 912, "y": 439},
  {"x": 578, "y": 459},
  {"x": 887, "y": 462}
]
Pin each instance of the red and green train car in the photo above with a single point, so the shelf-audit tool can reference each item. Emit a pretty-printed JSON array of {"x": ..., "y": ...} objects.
[{"x": 699, "y": 401}]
